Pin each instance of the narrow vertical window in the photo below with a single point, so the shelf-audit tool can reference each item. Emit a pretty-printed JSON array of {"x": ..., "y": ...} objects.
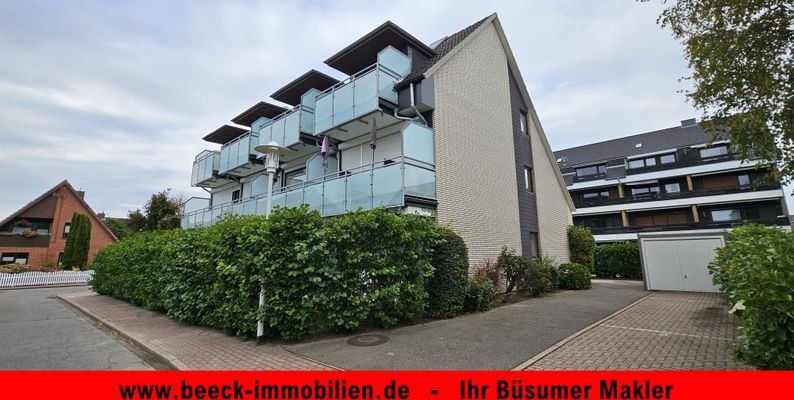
[
  {"x": 66, "y": 228},
  {"x": 524, "y": 122},
  {"x": 528, "y": 184}
]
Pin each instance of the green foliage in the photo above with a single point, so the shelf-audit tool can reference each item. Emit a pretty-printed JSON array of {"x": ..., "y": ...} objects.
[
  {"x": 756, "y": 270},
  {"x": 573, "y": 276},
  {"x": 618, "y": 260},
  {"x": 119, "y": 229},
  {"x": 446, "y": 288},
  {"x": 75, "y": 252},
  {"x": 480, "y": 294},
  {"x": 740, "y": 53},
  {"x": 162, "y": 211},
  {"x": 538, "y": 280},
  {"x": 582, "y": 246},
  {"x": 317, "y": 274},
  {"x": 513, "y": 267}
]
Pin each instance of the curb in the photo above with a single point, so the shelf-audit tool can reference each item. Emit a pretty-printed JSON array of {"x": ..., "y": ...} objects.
[
  {"x": 44, "y": 286},
  {"x": 162, "y": 355},
  {"x": 562, "y": 342}
]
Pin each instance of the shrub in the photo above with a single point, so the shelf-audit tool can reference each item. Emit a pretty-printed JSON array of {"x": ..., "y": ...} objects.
[
  {"x": 480, "y": 295},
  {"x": 75, "y": 252},
  {"x": 618, "y": 260},
  {"x": 573, "y": 276},
  {"x": 488, "y": 269},
  {"x": 582, "y": 246},
  {"x": 513, "y": 267},
  {"x": 539, "y": 277},
  {"x": 756, "y": 270},
  {"x": 446, "y": 288}
]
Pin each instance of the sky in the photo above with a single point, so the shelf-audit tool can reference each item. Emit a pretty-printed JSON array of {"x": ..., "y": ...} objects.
[{"x": 116, "y": 96}]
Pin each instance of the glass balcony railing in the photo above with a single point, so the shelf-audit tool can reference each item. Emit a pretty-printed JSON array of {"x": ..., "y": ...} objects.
[
  {"x": 383, "y": 184},
  {"x": 237, "y": 152},
  {"x": 286, "y": 128},
  {"x": 204, "y": 167}
]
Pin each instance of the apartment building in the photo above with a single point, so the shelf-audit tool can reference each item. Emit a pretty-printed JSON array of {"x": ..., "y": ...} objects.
[
  {"x": 36, "y": 233},
  {"x": 444, "y": 129},
  {"x": 676, "y": 179}
]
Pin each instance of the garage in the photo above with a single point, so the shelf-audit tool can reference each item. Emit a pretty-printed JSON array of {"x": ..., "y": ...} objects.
[{"x": 679, "y": 262}]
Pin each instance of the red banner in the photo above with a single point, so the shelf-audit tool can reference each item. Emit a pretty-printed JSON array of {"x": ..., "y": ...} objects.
[{"x": 384, "y": 385}]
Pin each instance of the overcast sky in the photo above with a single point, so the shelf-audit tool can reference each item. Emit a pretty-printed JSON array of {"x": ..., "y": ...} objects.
[{"x": 115, "y": 96}]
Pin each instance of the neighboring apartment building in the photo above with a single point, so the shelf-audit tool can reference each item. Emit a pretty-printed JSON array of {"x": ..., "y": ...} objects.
[
  {"x": 674, "y": 179},
  {"x": 36, "y": 233},
  {"x": 455, "y": 135}
]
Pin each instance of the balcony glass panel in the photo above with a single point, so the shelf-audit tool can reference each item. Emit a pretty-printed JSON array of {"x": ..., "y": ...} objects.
[
  {"x": 343, "y": 103},
  {"x": 394, "y": 60},
  {"x": 418, "y": 143},
  {"x": 307, "y": 120},
  {"x": 323, "y": 114},
  {"x": 313, "y": 196},
  {"x": 294, "y": 198},
  {"x": 292, "y": 128},
  {"x": 386, "y": 81},
  {"x": 359, "y": 191},
  {"x": 420, "y": 182},
  {"x": 266, "y": 134},
  {"x": 278, "y": 131},
  {"x": 235, "y": 153},
  {"x": 366, "y": 96},
  {"x": 334, "y": 197},
  {"x": 387, "y": 186}
]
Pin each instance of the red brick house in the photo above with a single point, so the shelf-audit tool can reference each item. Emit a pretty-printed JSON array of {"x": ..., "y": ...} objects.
[{"x": 36, "y": 233}]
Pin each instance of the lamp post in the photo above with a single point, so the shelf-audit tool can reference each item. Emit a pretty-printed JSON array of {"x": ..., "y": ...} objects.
[{"x": 272, "y": 152}]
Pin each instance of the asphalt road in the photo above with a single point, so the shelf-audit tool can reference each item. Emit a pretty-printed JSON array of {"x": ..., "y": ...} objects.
[
  {"x": 499, "y": 339},
  {"x": 37, "y": 331}
]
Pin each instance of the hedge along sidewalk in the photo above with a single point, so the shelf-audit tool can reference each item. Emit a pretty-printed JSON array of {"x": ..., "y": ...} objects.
[{"x": 186, "y": 347}]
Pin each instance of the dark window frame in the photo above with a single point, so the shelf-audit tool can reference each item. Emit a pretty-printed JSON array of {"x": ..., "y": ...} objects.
[
  {"x": 529, "y": 179},
  {"x": 67, "y": 227},
  {"x": 600, "y": 169},
  {"x": 523, "y": 121},
  {"x": 16, "y": 256}
]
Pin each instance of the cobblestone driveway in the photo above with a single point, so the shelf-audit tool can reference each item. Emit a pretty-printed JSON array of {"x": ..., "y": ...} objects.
[{"x": 665, "y": 331}]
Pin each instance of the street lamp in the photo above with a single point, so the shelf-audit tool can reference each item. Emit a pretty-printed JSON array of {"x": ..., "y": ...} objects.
[{"x": 272, "y": 152}]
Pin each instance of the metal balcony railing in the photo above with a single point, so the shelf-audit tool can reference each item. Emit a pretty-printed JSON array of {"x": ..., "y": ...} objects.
[
  {"x": 286, "y": 128},
  {"x": 653, "y": 196},
  {"x": 781, "y": 221},
  {"x": 204, "y": 167},
  {"x": 382, "y": 184},
  {"x": 237, "y": 152}
]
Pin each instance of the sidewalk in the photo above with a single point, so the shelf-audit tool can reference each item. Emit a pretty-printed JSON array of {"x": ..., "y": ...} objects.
[
  {"x": 184, "y": 346},
  {"x": 664, "y": 331}
]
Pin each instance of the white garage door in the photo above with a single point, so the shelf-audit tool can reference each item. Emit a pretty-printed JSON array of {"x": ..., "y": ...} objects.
[{"x": 679, "y": 263}]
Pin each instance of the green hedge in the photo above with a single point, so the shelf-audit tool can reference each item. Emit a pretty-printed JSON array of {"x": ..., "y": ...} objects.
[
  {"x": 539, "y": 278},
  {"x": 582, "y": 246},
  {"x": 618, "y": 260},
  {"x": 480, "y": 294},
  {"x": 317, "y": 273},
  {"x": 573, "y": 276},
  {"x": 756, "y": 270},
  {"x": 446, "y": 289}
]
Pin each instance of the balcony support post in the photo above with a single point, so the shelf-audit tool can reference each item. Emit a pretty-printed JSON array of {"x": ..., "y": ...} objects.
[
  {"x": 624, "y": 217},
  {"x": 621, "y": 193},
  {"x": 689, "y": 184},
  {"x": 695, "y": 214}
]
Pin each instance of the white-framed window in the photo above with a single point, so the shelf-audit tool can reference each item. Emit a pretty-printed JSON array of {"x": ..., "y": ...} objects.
[
  {"x": 66, "y": 228},
  {"x": 714, "y": 151},
  {"x": 744, "y": 180},
  {"x": 672, "y": 188},
  {"x": 528, "y": 184}
]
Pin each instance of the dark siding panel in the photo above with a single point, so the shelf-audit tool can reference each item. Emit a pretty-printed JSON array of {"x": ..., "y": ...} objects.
[{"x": 527, "y": 205}]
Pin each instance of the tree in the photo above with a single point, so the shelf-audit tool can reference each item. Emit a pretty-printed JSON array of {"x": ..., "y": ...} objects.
[
  {"x": 75, "y": 253},
  {"x": 119, "y": 229},
  {"x": 740, "y": 53},
  {"x": 161, "y": 212}
]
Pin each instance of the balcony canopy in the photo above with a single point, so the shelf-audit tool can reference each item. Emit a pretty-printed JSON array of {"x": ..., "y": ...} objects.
[
  {"x": 291, "y": 93},
  {"x": 364, "y": 51},
  {"x": 258, "y": 110},
  {"x": 224, "y": 134}
]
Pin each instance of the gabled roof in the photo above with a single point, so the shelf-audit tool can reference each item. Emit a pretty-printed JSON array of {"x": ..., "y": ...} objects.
[
  {"x": 47, "y": 194},
  {"x": 224, "y": 134},
  {"x": 313, "y": 79},
  {"x": 443, "y": 47},
  {"x": 364, "y": 51},
  {"x": 258, "y": 110}
]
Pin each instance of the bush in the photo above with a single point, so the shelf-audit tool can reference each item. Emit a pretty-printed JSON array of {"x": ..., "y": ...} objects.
[
  {"x": 317, "y": 274},
  {"x": 75, "y": 252},
  {"x": 446, "y": 288},
  {"x": 488, "y": 269},
  {"x": 618, "y": 260},
  {"x": 756, "y": 270},
  {"x": 573, "y": 276},
  {"x": 582, "y": 246},
  {"x": 539, "y": 277},
  {"x": 480, "y": 295},
  {"x": 513, "y": 267}
]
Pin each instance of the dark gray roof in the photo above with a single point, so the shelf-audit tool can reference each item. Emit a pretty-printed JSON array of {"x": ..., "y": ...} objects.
[
  {"x": 441, "y": 50},
  {"x": 664, "y": 139}
]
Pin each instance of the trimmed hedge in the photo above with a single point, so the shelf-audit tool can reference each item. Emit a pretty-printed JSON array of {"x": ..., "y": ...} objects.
[
  {"x": 618, "y": 260},
  {"x": 446, "y": 289},
  {"x": 573, "y": 276},
  {"x": 755, "y": 270},
  {"x": 539, "y": 278},
  {"x": 317, "y": 273},
  {"x": 582, "y": 246}
]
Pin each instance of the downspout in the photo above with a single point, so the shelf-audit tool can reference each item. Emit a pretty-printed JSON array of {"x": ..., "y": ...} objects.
[{"x": 413, "y": 107}]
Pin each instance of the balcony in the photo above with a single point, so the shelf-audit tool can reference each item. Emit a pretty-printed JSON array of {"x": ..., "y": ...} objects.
[
  {"x": 8, "y": 239},
  {"x": 361, "y": 93},
  {"x": 689, "y": 162},
  {"x": 236, "y": 154},
  {"x": 382, "y": 184},
  {"x": 780, "y": 221},
  {"x": 286, "y": 128},
  {"x": 654, "y": 196},
  {"x": 205, "y": 170}
]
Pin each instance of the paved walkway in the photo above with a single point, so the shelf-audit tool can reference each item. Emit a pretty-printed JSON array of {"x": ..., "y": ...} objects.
[
  {"x": 184, "y": 346},
  {"x": 666, "y": 331}
]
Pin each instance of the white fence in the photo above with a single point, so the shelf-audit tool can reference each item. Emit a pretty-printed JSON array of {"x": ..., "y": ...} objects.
[{"x": 44, "y": 278}]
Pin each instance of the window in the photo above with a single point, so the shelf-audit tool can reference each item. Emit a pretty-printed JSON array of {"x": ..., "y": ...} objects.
[
  {"x": 726, "y": 215},
  {"x": 66, "y": 227},
  {"x": 236, "y": 196},
  {"x": 534, "y": 247},
  {"x": 667, "y": 159},
  {"x": 60, "y": 259},
  {"x": 595, "y": 196},
  {"x": 295, "y": 177},
  {"x": 744, "y": 180},
  {"x": 591, "y": 170},
  {"x": 713, "y": 151},
  {"x": 14, "y": 258},
  {"x": 644, "y": 191},
  {"x": 672, "y": 188},
  {"x": 523, "y": 121},
  {"x": 528, "y": 184},
  {"x": 636, "y": 163}
]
